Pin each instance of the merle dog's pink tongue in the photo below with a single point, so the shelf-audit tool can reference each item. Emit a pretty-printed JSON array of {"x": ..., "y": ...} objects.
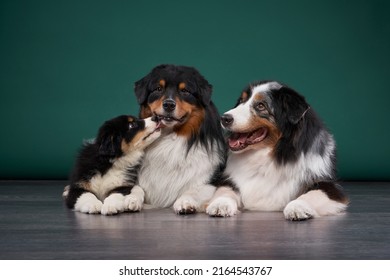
[{"x": 237, "y": 139}]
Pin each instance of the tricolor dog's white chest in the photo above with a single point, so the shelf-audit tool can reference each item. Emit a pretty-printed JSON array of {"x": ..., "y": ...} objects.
[{"x": 168, "y": 170}]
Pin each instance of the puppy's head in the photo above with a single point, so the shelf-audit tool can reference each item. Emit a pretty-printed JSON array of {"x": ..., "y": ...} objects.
[
  {"x": 175, "y": 96},
  {"x": 124, "y": 134},
  {"x": 264, "y": 113}
]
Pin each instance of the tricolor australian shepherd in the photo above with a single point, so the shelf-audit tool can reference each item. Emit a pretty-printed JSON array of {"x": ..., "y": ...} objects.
[
  {"x": 104, "y": 179},
  {"x": 281, "y": 158},
  {"x": 179, "y": 169}
]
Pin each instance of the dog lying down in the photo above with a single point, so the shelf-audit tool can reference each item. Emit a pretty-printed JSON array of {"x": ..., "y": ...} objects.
[{"x": 105, "y": 174}]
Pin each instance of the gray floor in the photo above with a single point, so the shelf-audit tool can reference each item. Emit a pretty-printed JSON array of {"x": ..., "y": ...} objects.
[{"x": 35, "y": 224}]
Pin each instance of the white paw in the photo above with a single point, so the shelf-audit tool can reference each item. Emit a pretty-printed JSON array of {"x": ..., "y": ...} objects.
[
  {"x": 298, "y": 210},
  {"x": 133, "y": 203},
  {"x": 113, "y": 204},
  {"x": 185, "y": 205},
  {"x": 222, "y": 207},
  {"x": 66, "y": 191},
  {"x": 88, "y": 203}
]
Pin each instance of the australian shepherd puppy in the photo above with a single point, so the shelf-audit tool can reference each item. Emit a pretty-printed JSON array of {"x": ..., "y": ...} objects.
[
  {"x": 282, "y": 158},
  {"x": 179, "y": 168},
  {"x": 104, "y": 179}
]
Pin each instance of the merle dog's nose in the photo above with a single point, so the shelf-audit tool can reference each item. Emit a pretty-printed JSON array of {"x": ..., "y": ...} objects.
[
  {"x": 169, "y": 105},
  {"x": 227, "y": 120}
]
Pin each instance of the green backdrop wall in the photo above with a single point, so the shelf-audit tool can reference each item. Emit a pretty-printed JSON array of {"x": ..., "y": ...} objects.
[{"x": 66, "y": 66}]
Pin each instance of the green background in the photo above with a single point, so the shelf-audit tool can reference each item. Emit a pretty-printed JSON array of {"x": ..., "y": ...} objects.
[{"x": 66, "y": 66}]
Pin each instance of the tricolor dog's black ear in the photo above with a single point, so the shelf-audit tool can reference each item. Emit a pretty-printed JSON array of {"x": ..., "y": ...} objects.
[
  {"x": 205, "y": 89},
  {"x": 142, "y": 85},
  {"x": 140, "y": 89}
]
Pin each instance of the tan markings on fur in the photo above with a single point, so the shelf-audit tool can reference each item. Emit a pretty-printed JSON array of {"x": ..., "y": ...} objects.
[
  {"x": 195, "y": 117},
  {"x": 259, "y": 96},
  {"x": 85, "y": 185},
  {"x": 162, "y": 83},
  {"x": 146, "y": 112},
  {"x": 244, "y": 96},
  {"x": 273, "y": 134},
  {"x": 182, "y": 86},
  {"x": 130, "y": 119},
  {"x": 129, "y": 146},
  {"x": 154, "y": 107}
]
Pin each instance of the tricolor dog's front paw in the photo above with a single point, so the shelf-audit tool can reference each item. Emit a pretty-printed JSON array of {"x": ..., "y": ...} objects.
[
  {"x": 113, "y": 204},
  {"x": 133, "y": 203},
  {"x": 222, "y": 207}
]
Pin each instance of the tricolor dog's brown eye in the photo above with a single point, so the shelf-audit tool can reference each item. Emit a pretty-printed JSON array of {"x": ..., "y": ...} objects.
[
  {"x": 184, "y": 91},
  {"x": 157, "y": 89}
]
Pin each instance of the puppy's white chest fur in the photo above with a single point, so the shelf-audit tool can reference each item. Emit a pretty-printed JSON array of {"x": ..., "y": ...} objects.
[
  {"x": 116, "y": 176},
  {"x": 168, "y": 170},
  {"x": 262, "y": 185}
]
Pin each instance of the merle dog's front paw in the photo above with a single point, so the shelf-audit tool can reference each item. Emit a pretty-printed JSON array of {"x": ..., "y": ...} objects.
[{"x": 185, "y": 205}]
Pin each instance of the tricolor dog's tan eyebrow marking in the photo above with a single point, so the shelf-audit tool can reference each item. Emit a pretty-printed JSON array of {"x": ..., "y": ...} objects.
[
  {"x": 162, "y": 83},
  {"x": 182, "y": 86},
  {"x": 130, "y": 119}
]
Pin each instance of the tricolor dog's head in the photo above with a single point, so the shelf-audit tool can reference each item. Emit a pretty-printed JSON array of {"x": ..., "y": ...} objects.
[
  {"x": 175, "y": 96},
  {"x": 124, "y": 134},
  {"x": 265, "y": 112}
]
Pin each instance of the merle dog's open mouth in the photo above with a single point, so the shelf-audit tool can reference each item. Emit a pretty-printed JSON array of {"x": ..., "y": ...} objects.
[{"x": 240, "y": 140}]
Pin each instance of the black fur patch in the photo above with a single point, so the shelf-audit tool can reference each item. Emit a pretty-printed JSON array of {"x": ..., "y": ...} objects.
[{"x": 332, "y": 190}]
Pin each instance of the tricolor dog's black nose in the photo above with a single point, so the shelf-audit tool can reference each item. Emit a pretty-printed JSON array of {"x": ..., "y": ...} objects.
[
  {"x": 227, "y": 120},
  {"x": 169, "y": 105}
]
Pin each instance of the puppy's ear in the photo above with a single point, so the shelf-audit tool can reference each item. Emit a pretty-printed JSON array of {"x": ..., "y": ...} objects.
[
  {"x": 110, "y": 146},
  {"x": 109, "y": 139}
]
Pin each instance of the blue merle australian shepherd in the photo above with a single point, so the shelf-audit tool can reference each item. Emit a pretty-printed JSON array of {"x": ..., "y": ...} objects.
[{"x": 282, "y": 158}]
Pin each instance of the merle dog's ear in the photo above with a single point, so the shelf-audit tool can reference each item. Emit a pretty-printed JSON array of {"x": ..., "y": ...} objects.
[{"x": 294, "y": 105}]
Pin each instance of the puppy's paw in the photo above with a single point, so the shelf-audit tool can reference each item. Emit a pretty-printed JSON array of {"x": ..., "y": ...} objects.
[
  {"x": 299, "y": 210},
  {"x": 222, "y": 207},
  {"x": 113, "y": 204},
  {"x": 88, "y": 203},
  {"x": 133, "y": 203},
  {"x": 185, "y": 205},
  {"x": 66, "y": 191}
]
